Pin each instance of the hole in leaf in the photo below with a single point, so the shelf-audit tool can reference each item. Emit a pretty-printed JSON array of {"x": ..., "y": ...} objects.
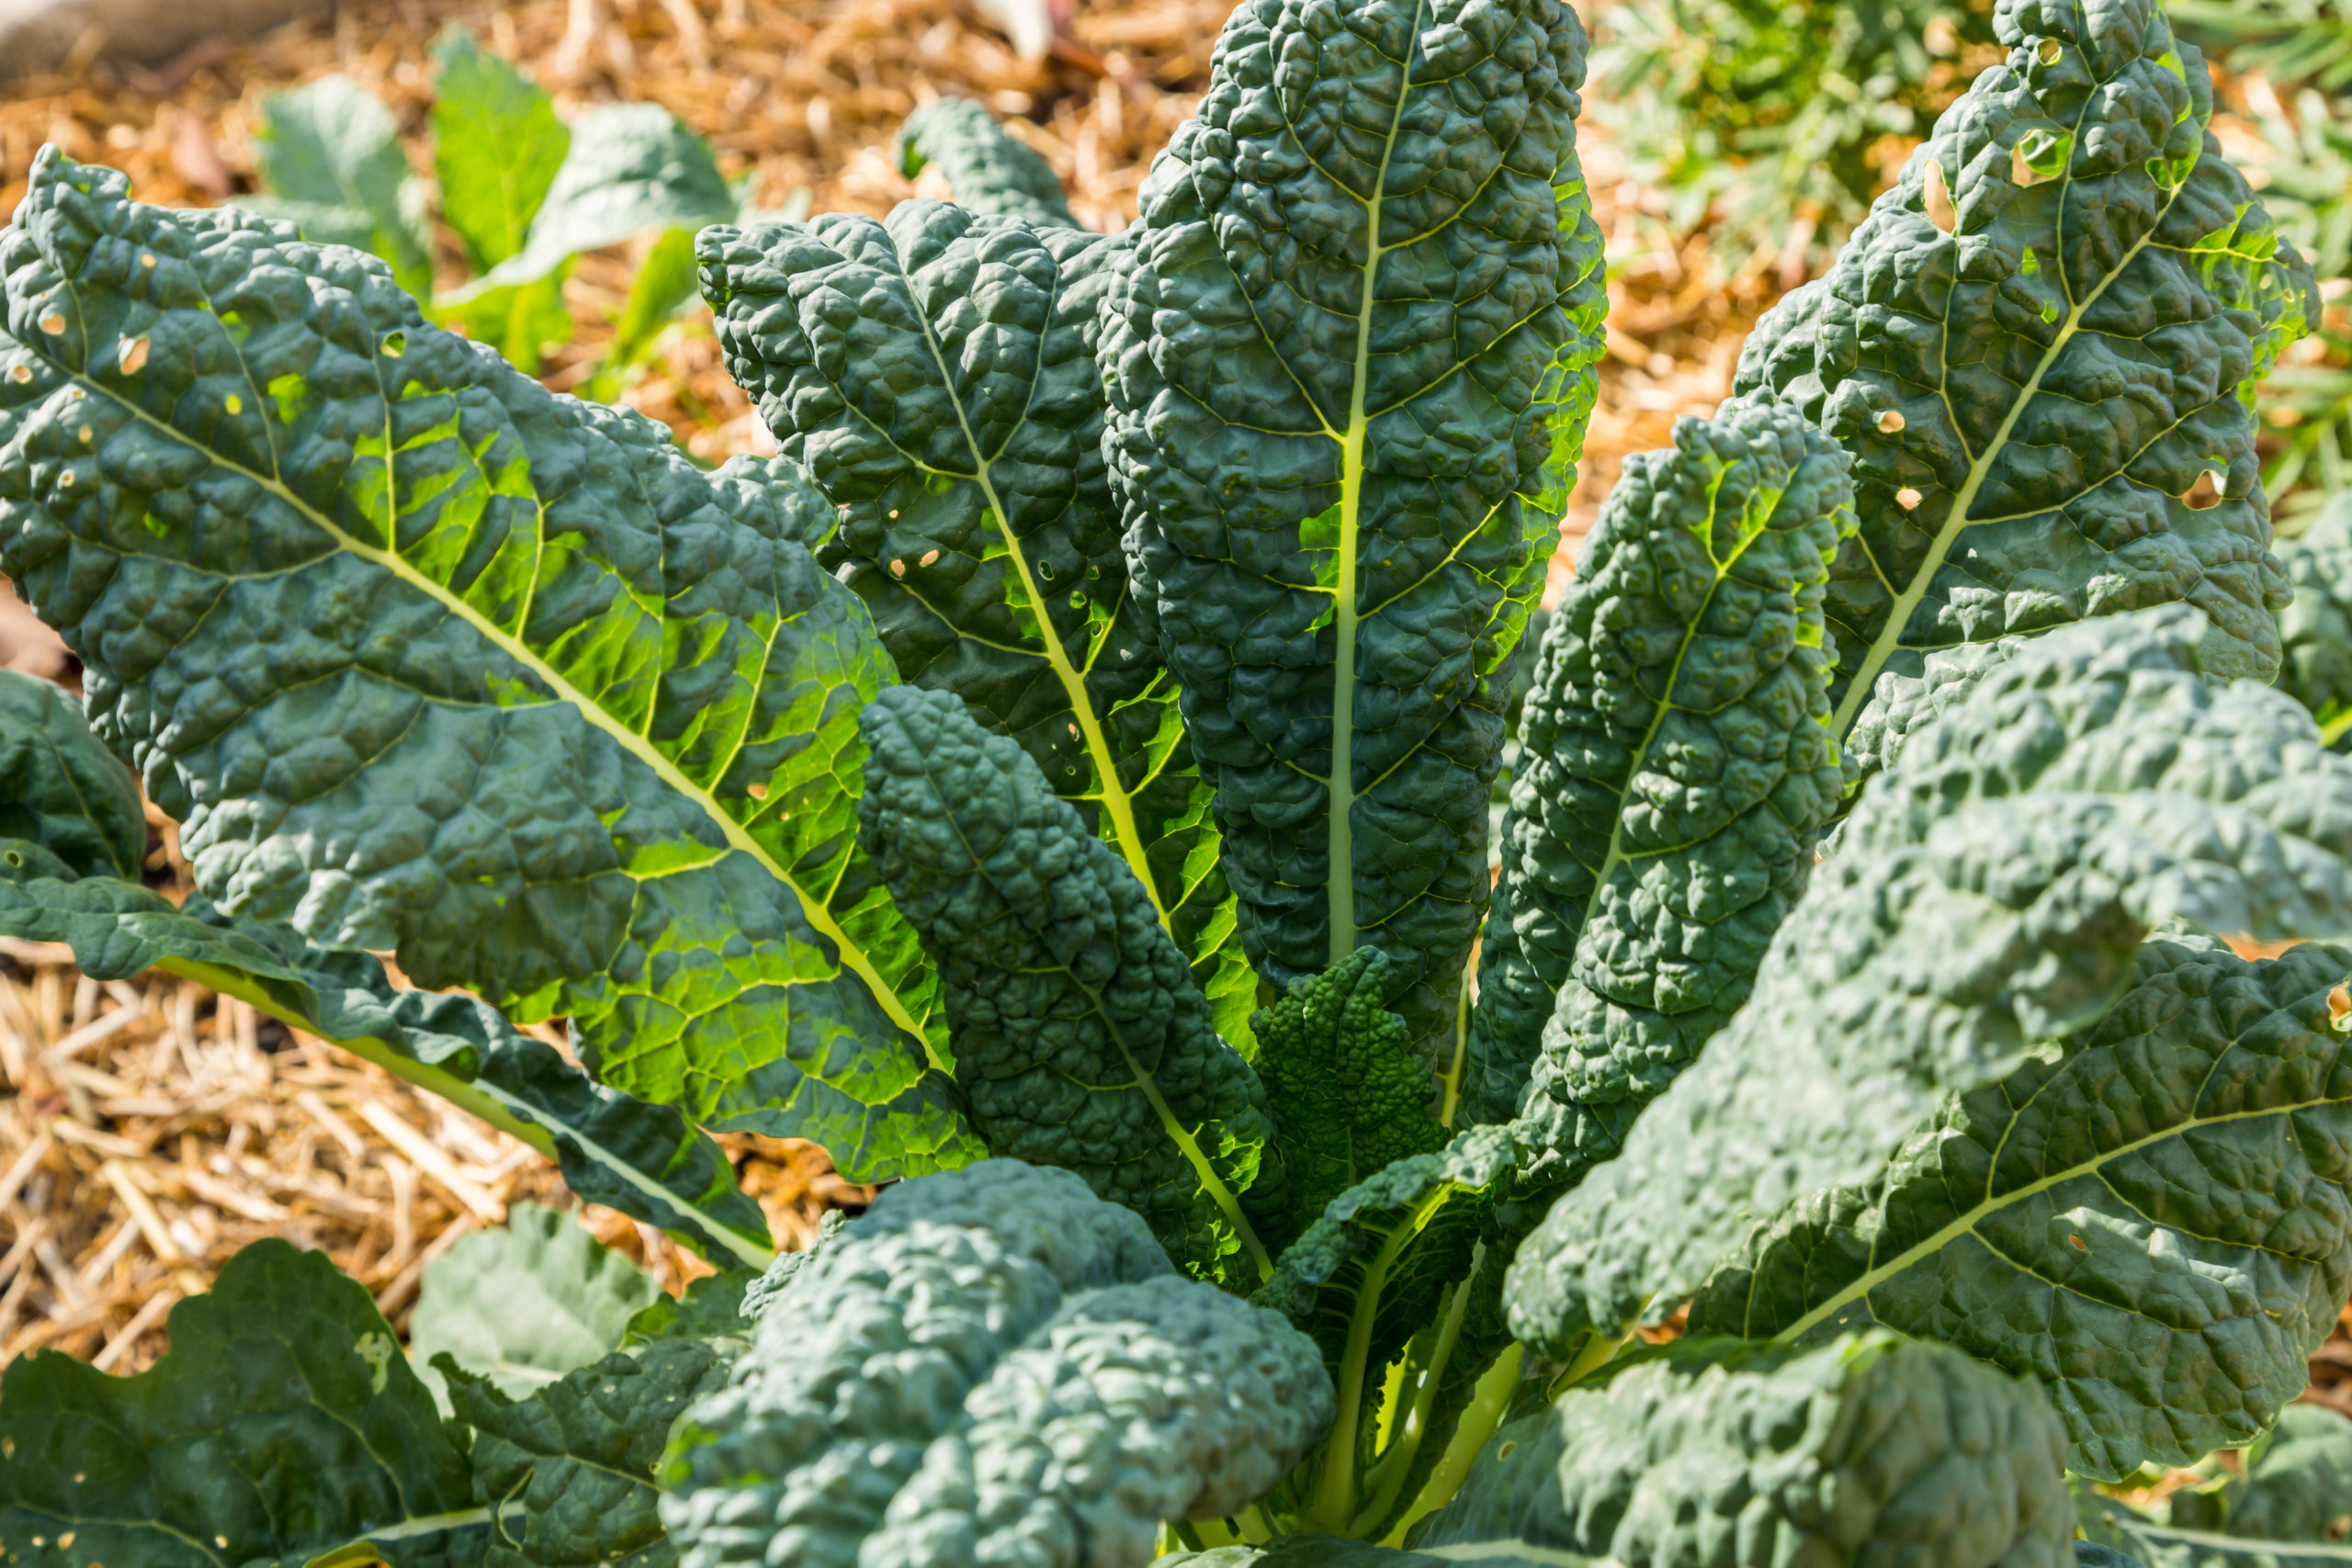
[
  {"x": 65, "y": 479},
  {"x": 2079, "y": 1244},
  {"x": 148, "y": 259},
  {"x": 1890, "y": 422},
  {"x": 52, "y": 323},
  {"x": 1504, "y": 1450},
  {"x": 1076, "y": 599},
  {"x": 898, "y": 569},
  {"x": 2051, "y": 52},
  {"x": 1073, "y": 729},
  {"x": 1046, "y": 570},
  {"x": 233, "y": 403},
  {"x": 20, "y": 374},
  {"x": 2207, "y": 493},
  {"x": 85, "y": 433},
  {"x": 757, "y": 791},
  {"x": 395, "y": 344},
  {"x": 1908, "y": 499},
  {"x": 1938, "y": 197},
  {"x": 927, "y": 556},
  {"x": 134, "y": 356}
]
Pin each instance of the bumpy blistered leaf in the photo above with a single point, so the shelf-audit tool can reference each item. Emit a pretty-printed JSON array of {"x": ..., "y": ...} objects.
[
  {"x": 1675, "y": 767},
  {"x": 1866, "y": 1449},
  {"x": 524, "y": 1304},
  {"x": 1987, "y": 897},
  {"x": 2295, "y": 1485},
  {"x": 991, "y": 173},
  {"x": 2096, "y": 1219},
  {"x": 2316, "y": 629},
  {"x": 1348, "y": 1091},
  {"x": 1347, "y": 368},
  {"x": 284, "y": 1426},
  {"x": 329, "y": 154},
  {"x": 994, "y": 1365},
  {"x": 1080, "y": 1039},
  {"x": 935, "y": 371},
  {"x": 1407, "y": 1263},
  {"x": 60, "y": 789},
  {"x": 568, "y": 1474},
  {"x": 2040, "y": 349},
  {"x": 430, "y": 660}
]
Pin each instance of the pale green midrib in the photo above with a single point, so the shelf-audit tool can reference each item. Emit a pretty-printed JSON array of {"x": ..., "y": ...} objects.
[
  {"x": 1890, "y": 636},
  {"x": 409, "y": 1530},
  {"x": 1511, "y": 1546},
  {"x": 1387, "y": 1474},
  {"x": 1860, "y": 1288},
  {"x": 1339, "y": 878},
  {"x": 737, "y": 836},
  {"x": 1115, "y": 797},
  {"x": 2335, "y": 729},
  {"x": 1333, "y": 1508},
  {"x": 2243, "y": 1545},
  {"x": 489, "y": 1103}
]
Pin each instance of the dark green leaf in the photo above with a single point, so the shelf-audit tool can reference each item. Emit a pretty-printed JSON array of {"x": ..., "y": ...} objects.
[
  {"x": 429, "y": 659},
  {"x": 2296, "y": 1486},
  {"x": 712, "y": 1308},
  {"x": 1987, "y": 897},
  {"x": 1347, "y": 368},
  {"x": 962, "y": 442},
  {"x": 330, "y": 151},
  {"x": 283, "y": 1424},
  {"x": 60, "y": 789},
  {"x": 991, "y": 173},
  {"x": 2040, "y": 349},
  {"x": 1675, "y": 767},
  {"x": 1080, "y": 1039},
  {"x": 2317, "y": 628},
  {"x": 496, "y": 147}
]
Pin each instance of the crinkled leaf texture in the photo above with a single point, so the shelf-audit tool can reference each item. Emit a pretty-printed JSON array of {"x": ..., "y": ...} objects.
[
  {"x": 523, "y": 1304},
  {"x": 568, "y": 1474},
  {"x": 60, "y": 789},
  {"x": 430, "y": 660},
  {"x": 991, "y": 1366},
  {"x": 646, "y": 1161},
  {"x": 1079, "y": 1038},
  {"x": 1675, "y": 767},
  {"x": 936, "y": 372},
  {"x": 2316, "y": 629},
  {"x": 2157, "y": 1220},
  {"x": 1988, "y": 897},
  {"x": 1718, "y": 1454},
  {"x": 284, "y": 1426},
  {"x": 2040, "y": 349},
  {"x": 993, "y": 173},
  {"x": 1348, "y": 369}
]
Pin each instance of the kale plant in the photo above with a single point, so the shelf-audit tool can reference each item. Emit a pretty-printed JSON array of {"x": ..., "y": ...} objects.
[{"x": 1058, "y": 783}]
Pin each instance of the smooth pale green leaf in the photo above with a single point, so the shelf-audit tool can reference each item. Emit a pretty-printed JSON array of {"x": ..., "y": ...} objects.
[
  {"x": 1407, "y": 1263},
  {"x": 646, "y": 1161},
  {"x": 2296, "y": 1486},
  {"x": 496, "y": 146},
  {"x": 2316, "y": 629},
  {"x": 2158, "y": 1222},
  {"x": 2040, "y": 349},
  {"x": 1079, "y": 1040},
  {"x": 282, "y": 1427},
  {"x": 60, "y": 789},
  {"x": 1987, "y": 897},
  {"x": 996, "y": 1365},
  {"x": 330, "y": 151},
  {"x": 522, "y": 321},
  {"x": 1344, "y": 370},
  {"x": 1868, "y": 1450},
  {"x": 1674, "y": 766},
  {"x": 965, "y": 449},
  {"x": 991, "y": 173},
  {"x": 524, "y": 1304},
  {"x": 429, "y": 659},
  {"x": 630, "y": 167},
  {"x": 663, "y": 284},
  {"x": 568, "y": 1472}
]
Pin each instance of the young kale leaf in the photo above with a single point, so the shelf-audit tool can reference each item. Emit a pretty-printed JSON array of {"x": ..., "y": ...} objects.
[
  {"x": 2040, "y": 349},
  {"x": 997, "y": 1364},
  {"x": 1346, "y": 367},
  {"x": 429, "y": 659},
  {"x": 935, "y": 373},
  {"x": 60, "y": 789},
  {"x": 1079, "y": 1038},
  {"x": 2316, "y": 629},
  {"x": 1675, "y": 767},
  {"x": 992, "y": 174}
]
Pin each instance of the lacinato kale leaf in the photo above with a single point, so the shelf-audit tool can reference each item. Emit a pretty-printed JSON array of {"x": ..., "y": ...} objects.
[
  {"x": 2316, "y": 629},
  {"x": 991, "y": 173},
  {"x": 1347, "y": 366},
  {"x": 60, "y": 789},
  {"x": 2040, "y": 349},
  {"x": 991, "y": 1365},
  {"x": 1674, "y": 766},
  {"x": 429, "y": 659},
  {"x": 1079, "y": 1038}
]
